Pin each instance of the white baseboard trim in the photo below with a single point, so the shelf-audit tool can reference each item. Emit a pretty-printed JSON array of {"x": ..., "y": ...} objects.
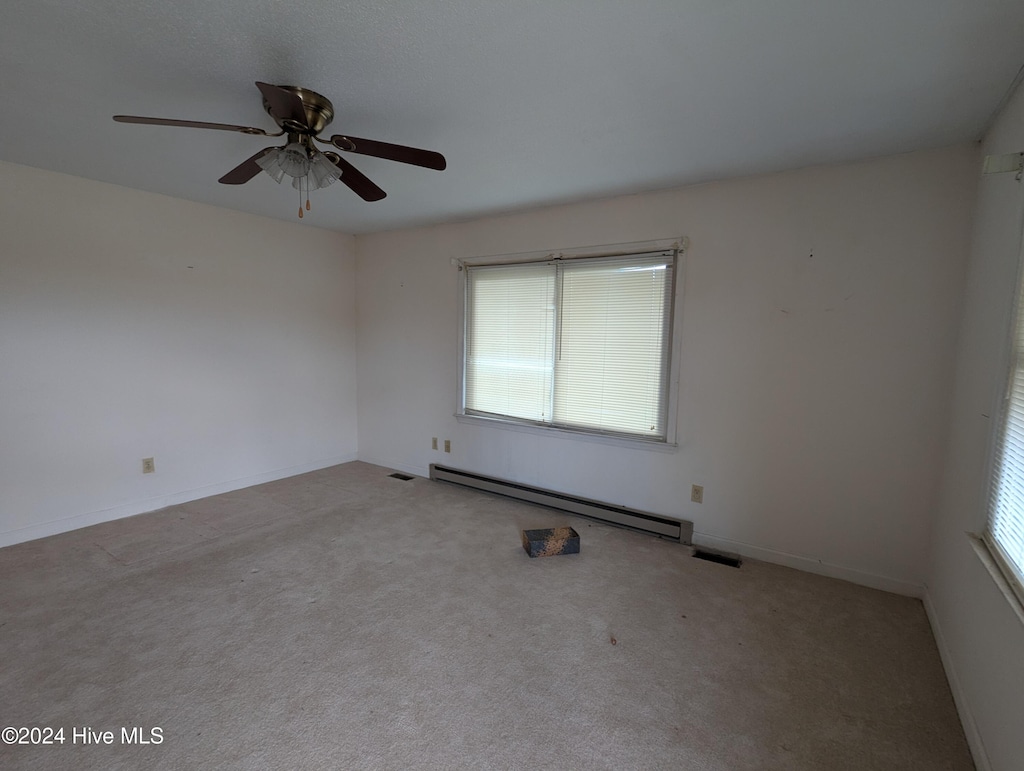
[
  {"x": 57, "y": 526},
  {"x": 809, "y": 565},
  {"x": 963, "y": 706}
]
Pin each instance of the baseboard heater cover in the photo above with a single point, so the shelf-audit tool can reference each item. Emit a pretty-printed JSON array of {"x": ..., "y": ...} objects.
[{"x": 674, "y": 530}]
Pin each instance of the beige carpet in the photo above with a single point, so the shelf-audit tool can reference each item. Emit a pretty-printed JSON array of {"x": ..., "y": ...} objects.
[{"x": 346, "y": 620}]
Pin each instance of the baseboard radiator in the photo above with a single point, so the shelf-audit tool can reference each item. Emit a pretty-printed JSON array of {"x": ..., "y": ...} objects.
[{"x": 673, "y": 530}]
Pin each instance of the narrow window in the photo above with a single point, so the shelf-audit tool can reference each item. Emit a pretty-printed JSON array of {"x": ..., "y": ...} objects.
[{"x": 1004, "y": 533}]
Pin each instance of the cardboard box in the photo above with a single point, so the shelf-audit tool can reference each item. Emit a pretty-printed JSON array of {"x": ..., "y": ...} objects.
[{"x": 551, "y": 541}]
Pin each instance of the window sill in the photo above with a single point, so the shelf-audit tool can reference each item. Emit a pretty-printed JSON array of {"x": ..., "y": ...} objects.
[
  {"x": 989, "y": 561},
  {"x": 564, "y": 433}
]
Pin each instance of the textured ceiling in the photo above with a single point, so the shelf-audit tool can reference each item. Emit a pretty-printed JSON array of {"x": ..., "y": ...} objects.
[{"x": 532, "y": 102}]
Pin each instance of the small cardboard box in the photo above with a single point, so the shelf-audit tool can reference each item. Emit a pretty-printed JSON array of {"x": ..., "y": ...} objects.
[{"x": 551, "y": 541}]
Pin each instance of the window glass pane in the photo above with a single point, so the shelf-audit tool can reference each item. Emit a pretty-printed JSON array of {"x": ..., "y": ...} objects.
[
  {"x": 510, "y": 340},
  {"x": 609, "y": 368}
]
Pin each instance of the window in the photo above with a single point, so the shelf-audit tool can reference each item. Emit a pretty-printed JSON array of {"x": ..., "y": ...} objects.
[
  {"x": 581, "y": 344},
  {"x": 1004, "y": 534}
]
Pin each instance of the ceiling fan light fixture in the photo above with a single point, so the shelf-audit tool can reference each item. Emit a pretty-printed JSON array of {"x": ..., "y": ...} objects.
[{"x": 309, "y": 168}]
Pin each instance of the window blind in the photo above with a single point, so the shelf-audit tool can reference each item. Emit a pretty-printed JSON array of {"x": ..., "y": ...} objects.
[
  {"x": 510, "y": 340},
  {"x": 609, "y": 368},
  {"x": 1005, "y": 534},
  {"x": 580, "y": 344}
]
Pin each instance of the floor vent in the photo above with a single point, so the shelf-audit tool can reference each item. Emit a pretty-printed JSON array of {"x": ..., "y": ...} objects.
[
  {"x": 721, "y": 557},
  {"x": 672, "y": 529},
  {"x": 403, "y": 477}
]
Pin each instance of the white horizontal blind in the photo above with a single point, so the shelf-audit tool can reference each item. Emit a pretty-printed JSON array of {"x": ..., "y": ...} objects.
[
  {"x": 1006, "y": 507},
  {"x": 581, "y": 343},
  {"x": 609, "y": 368},
  {"x": 510, "y": 340}
]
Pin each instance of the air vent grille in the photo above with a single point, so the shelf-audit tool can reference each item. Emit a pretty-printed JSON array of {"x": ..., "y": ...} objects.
[{"x": 721, "y": 557}]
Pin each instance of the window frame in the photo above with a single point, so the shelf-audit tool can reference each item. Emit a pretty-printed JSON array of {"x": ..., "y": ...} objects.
[{"x": 673, "y": 327}]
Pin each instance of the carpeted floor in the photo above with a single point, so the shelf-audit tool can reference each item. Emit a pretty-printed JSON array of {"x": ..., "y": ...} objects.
[{"x": 346, "y": 620}]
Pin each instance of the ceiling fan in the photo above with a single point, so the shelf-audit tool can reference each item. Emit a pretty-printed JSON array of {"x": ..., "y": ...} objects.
[{"x": 302, "y": 114}]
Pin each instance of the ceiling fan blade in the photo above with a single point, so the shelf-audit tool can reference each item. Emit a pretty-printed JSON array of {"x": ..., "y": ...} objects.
[
  {"x": 360, "y": 184},
  {"x": 426, "y": 158},
  {"x": 284, "y": 104},
  {"x": 244, "y": 171},
  {"x": 190, "y": 124}
]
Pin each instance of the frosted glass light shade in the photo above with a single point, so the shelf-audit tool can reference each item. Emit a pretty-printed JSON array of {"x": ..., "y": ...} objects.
[
  {"x": 309, "y": 169},
  {"x": 271, "y": 165},
  {"x": 322, "y": 172}
]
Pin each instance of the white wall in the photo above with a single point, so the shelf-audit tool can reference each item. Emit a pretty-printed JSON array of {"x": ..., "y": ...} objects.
[
  {"x": 135, "y": 325},
  {"x": 818, "y": 308},
  {"x": 980, "y": 636}
]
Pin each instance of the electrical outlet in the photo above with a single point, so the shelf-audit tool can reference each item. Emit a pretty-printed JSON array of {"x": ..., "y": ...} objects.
[
  {"x": 148, "y": 467},
  {"x": 433, "y": 443},
  {"x": 447, "y": 445},
  {"x": 697, "y": 493}
]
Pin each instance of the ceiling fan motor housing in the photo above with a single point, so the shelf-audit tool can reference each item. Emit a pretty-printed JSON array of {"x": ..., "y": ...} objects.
[{"x": 318, "y": 108}]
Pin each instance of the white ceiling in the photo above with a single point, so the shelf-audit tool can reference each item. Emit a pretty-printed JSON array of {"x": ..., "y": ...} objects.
[{"x": 532, "y": 102}]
